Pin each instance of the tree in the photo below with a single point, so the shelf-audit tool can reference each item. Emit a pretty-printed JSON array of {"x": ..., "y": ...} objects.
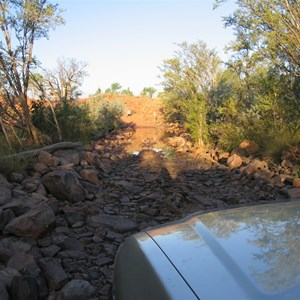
[
  {"x": 21, "y": 24},
  {"x": 127, "y": 91},
  {"x": 62, "y": 84},
  {"x": 268, "y": 29},
  {"x": 115, "y": 88},
  {"x": 266, "y": 67},
  {"x": 189, "y": 79},
  {"x": 148, "y": 92}
]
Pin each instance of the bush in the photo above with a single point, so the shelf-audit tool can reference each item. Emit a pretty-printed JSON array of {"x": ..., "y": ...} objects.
[
  {"x": 228, "y": 135},
  {"x": 109, "y": 115},
  {"x": 75, "y": 122},
  {"x": 8, "y": 164}
]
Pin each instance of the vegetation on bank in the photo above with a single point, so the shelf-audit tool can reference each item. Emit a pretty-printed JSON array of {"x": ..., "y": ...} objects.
[{"x": 255, "y": 94}]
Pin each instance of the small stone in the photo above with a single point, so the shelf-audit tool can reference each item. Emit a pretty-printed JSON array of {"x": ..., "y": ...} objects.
[
  {"x": 41, "y": 168},
  {"x": 90, "y": 175},
  {"x": 7, "y": 274},
  {"x": 20, "y": 261},
  {"x": 77, "y": 290},
  {"x": 5, "y": 195},
  {"x": 48, "y": 159},
  {"x": 50, "y": 251},
  {"x": 66, "y": 243},
  {"x": 72, "y": 254},
  {"x": 102, "y": 261},
  {"x": 31, "y": 184},
  {"x": 24, "y": 288},
  {"x": 5, "y": 255},
  {"x": 16, "y": 177},
  {"x": 3, "y": 292},
  {"x": 5, "y": 217},
  {"x": 117, "y": 223},
  {"x": 55, "y": 275}
]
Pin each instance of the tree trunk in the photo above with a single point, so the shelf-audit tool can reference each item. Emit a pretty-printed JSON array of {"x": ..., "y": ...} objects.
[{"x": 30, "y": 128}]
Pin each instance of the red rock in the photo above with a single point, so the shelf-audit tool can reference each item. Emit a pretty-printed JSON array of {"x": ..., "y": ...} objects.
[
  {"x": 41, "y": 168},
  {"x": 90, "y": 175},
  {"x": 296, "y": 183},
  {"x": 99, "y": 148},
  {"x": 234, "y": 161},
  {"x": 90, "y": 157},
  {"x": 48, "y": 159},
  {"x": 224, "y": 155}
]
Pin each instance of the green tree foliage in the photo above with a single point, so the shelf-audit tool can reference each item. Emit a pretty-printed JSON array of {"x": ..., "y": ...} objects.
[
  {"x": 189, "y": 79},
  {"x": 21, "y": 24},
  {"x": 109, "y": 115},
  {"x": 268, "y": 29},
  {"x": 115, "y": 88},
  {"x": 66, "y": 121},
  {"x": 148, "y": 92},
  {"x": 77, "y": 121},
  {"x": 260, "y": 92},
  {"x": 127, "y": 92}
]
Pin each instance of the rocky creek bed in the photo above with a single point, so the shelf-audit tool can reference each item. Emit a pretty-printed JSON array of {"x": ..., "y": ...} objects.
[{"x": 63, "y": 220}]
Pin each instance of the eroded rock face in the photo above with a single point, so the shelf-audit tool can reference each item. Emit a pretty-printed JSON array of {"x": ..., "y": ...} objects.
[
  {"x": 64, "y": 185},
  {"x": 33, "y": 223}
]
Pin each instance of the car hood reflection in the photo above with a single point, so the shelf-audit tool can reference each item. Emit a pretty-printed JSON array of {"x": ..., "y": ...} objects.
[{"x": 246, "y": 253}]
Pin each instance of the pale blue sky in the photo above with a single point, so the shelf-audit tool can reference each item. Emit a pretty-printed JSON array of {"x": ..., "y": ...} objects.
[{"x": 126, "y": 41}]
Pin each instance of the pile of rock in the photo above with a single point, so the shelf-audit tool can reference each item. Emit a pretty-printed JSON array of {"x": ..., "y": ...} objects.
[{"x": 63, "y": 220}]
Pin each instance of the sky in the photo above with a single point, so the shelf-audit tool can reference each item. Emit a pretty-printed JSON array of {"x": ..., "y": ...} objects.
[{"x": 126, "y": 41}]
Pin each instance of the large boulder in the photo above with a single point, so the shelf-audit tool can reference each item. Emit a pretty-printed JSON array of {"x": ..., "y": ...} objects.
[
  {"x": 33, "y": 223},
  {"x": 64, "y": 185},
  {"x": 77, "y": 290}
]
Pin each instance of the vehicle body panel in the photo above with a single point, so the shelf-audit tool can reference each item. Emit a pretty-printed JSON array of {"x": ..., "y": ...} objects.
[{"x": 244, "y": 253}]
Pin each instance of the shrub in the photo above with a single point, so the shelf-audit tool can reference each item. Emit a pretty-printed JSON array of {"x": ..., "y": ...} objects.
[
  {"x": 11, "y": 164},
  {"x": 75, "y": 122},
  {"x": 109, "y": 115},
  {"x": 228, "y": 135}
]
